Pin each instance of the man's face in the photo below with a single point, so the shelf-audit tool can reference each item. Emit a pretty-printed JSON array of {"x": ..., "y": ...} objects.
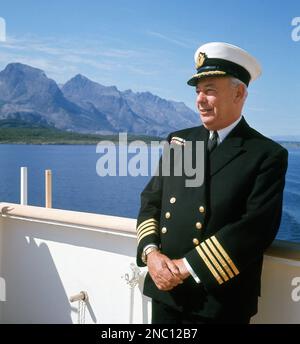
[{"x": 216, "y": 102}]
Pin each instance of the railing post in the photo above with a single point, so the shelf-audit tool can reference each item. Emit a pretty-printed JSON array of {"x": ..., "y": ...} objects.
[
  {"x": 48, "y": 188},
  {"x": 23, "y": 189}
]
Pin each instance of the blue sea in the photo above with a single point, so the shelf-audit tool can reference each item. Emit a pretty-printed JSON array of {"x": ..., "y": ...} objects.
[{"x": 77, "y": 186}]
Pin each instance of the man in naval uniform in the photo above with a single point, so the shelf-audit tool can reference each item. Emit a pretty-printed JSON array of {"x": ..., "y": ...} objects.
[{"x": 204, "y": 245}]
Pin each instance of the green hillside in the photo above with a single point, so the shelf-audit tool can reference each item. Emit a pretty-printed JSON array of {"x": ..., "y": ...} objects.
[{"x": 23, "y": 135}]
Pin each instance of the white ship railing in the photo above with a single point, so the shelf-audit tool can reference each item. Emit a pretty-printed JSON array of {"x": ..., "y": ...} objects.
[{"x": 51, "y": 257}]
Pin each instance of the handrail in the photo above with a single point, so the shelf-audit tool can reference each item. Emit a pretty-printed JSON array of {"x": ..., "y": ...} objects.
[
  {"x": 284, "y": 249},
  {"x": 279, "y": 248},
  {"x": 120, "y": 224}
]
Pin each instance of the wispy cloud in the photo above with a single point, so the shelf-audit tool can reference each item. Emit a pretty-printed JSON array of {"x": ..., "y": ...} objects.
[
  {"x": 54, "y": 46},
  {"x": 180, "y": 43},
  {"x": 60, "y": 58}
]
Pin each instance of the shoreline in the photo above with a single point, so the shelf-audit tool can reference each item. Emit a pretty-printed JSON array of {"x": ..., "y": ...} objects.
[
  {"x": 47, "y": 136},
  {"x": 147, "y": 140}
]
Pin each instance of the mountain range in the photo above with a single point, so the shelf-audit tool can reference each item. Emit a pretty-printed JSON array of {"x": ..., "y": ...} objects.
[{"x": 27, "y": 95}]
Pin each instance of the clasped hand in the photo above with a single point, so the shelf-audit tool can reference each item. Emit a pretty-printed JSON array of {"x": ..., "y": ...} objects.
[{"x": 166, "y": 273}]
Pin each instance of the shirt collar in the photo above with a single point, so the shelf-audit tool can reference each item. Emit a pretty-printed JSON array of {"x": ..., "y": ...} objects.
[{"x": 225, "y": 131}]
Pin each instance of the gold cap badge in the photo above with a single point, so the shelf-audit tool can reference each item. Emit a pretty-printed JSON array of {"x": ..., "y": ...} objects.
[{"x": 200, "y": 60}]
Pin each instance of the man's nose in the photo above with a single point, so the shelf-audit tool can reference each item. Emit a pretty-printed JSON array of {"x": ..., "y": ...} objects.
[{"x": 201, "y": 97}]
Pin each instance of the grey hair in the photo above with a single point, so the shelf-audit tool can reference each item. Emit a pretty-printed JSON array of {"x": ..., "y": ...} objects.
[{"x": 235, "y": 82}]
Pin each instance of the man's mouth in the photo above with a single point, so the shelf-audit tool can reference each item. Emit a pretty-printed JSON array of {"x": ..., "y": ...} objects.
[{"x": 205, "y": 111}]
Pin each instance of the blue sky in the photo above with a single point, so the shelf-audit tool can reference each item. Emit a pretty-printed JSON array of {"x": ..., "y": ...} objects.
[{"x": 149, "y": 46}]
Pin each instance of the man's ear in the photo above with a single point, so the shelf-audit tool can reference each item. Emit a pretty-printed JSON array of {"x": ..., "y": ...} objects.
[{"x": 240, "y": 93}]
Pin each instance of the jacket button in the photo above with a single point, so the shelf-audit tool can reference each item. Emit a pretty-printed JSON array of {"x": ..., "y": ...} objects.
[
  {"x": 195, "y": 241},
  {"x": 167, "y": 215},
  {"x": 172, "y": 199},
  {"x": 164, "y": 230},
  {"x": 201, "y": 209},
  {"x": 198, "y": 225}
]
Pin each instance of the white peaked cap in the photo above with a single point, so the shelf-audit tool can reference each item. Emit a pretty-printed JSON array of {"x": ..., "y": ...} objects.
[{"x": 218, "y": 58}]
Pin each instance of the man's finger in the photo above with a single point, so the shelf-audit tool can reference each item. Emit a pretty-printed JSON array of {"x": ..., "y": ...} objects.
[
  {"x": 166, "y": 274},
  {"x": 175, "y": 270},
  {"x": 173, "y": 267},
  {"x": 163, "y": 283},
  {"x": 170, "y": 277}
]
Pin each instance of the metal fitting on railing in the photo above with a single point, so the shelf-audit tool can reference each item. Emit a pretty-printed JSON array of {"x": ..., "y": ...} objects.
[
  {"x": 82, "y": 296},
  {"x": 132, "y": 278}
]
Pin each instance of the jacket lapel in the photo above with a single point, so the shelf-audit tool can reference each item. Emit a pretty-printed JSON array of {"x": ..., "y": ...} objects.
[{"x": 229, "y": 149}]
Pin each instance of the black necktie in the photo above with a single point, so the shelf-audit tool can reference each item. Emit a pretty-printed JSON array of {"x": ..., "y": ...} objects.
[{"x": 212, "y": 142}]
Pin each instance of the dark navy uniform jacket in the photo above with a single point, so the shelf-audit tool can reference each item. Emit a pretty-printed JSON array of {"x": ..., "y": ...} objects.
[{"x": 222, "y": 227}]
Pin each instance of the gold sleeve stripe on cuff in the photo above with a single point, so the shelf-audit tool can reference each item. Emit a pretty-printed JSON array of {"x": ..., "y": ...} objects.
[
  {"x": 146, "y": 234},
  {"x": 219, "y": 258},
  {"x": 208, "y": 264},
  {"x": 147, "y": 229},
  {"x": 214, "y": 261},
  {"x": 147, "y": 226},
  {"x": 145, "y": 222},
  {"x": 225, "y": 255},
  {"x": 148, "y": 220}
]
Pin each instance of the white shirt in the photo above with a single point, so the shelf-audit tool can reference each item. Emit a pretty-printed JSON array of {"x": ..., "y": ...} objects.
[{"x": 225, "y": 131}]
